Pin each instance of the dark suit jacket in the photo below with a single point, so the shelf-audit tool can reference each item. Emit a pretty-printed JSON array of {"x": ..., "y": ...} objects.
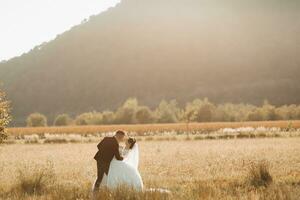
[{"x": 107, "y": 149}]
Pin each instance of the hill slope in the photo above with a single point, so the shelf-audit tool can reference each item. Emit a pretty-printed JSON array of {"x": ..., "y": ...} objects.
[{"x": 237, "y": 51}]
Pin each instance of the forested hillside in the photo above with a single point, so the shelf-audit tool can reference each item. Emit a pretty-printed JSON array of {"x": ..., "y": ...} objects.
[{"x": 229, "y": 51}]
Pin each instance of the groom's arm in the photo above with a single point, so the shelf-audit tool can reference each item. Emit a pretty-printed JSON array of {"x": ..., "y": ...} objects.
[{"x": 117, "y": 153}]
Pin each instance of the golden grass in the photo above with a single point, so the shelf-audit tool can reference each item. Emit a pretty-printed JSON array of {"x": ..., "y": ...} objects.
[
  {"x": 204, "y": 169},
  {"x": 150, "y": 127}
]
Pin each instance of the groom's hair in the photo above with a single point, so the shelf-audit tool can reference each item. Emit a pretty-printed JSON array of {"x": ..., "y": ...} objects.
[{"x": 120, "y": 133}]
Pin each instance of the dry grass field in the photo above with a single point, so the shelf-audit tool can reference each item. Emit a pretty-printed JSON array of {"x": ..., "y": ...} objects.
[
  {"x": 151, "y": 127},
  {"x": 194, "y": 169}
]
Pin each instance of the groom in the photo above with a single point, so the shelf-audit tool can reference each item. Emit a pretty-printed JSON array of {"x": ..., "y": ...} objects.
[{"x": 108, "y": 148}]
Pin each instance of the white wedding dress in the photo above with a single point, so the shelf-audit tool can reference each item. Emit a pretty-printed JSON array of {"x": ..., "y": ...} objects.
[{"x": 124, "y": 172}]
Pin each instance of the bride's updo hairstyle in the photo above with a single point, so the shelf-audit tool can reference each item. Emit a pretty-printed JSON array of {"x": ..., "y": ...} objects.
[{"x": 132, "y": 142}]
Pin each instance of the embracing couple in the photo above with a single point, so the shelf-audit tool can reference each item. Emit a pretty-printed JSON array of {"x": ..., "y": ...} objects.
[{"x": 118, "y": 166}]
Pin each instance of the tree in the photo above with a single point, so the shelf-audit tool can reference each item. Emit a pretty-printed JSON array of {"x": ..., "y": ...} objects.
[
  {"x": 36, "y": 120},
  {"x": 200, "y": 111},
  {"x": 255, "y": 115},
  {"x": 89, "y": 118},
  {"x": 144, "y": 115},
  {"x": 4, "y": 116},
  {"x": 97, "y": 118},
  {"x": 62, "y": 120},
  {"x": 126, "y": 113},
  {"x": 167, "y": 112},
  {"x": 269, "y": 112},
  {"x": 83, "y": 119},
  {"x": 108, "y": 117},
  {"x": 298, "y": 113},
  {"x": 225, "y": 113}
]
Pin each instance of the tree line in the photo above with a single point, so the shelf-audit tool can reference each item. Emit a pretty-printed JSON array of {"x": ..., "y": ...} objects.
[
  {"x": 4, "y": 116},
  {"x": 199, "y": 110}
]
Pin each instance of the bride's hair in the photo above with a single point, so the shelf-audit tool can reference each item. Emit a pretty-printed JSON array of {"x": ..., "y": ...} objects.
[{"x": 132, "y": 142}]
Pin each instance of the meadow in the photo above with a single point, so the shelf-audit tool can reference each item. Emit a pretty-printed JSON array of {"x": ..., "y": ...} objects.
[
  {"x": 258, "y": 168},
  {"x": 245, "y": 160}
]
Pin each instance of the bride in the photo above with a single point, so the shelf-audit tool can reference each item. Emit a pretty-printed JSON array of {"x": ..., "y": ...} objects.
[{"x": 125, "y": 172}]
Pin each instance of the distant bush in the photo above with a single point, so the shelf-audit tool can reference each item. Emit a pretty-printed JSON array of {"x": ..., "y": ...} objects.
[
  {"x": 4, "y": 116},
  {"x": 36, "y": 120},
  {"x": 62, "y": 120}
]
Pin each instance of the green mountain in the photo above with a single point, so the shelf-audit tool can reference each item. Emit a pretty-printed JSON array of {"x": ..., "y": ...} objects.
[{"x": 229, "y": 51}]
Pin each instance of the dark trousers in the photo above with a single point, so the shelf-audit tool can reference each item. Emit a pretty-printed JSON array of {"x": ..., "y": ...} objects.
[{"x": 102, "y": 167}]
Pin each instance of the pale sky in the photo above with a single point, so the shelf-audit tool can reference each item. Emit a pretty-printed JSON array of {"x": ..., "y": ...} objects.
[{"x": 27, "y": 23}]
